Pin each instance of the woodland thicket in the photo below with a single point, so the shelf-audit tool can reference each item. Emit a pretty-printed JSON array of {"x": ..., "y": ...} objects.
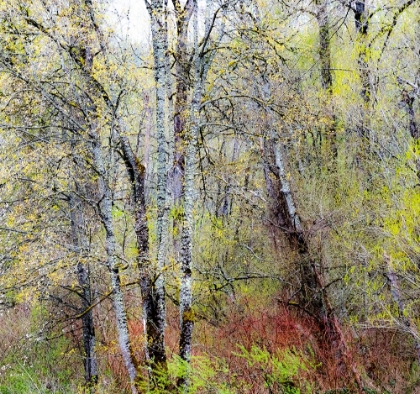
[{"x": 229, "y": 203}]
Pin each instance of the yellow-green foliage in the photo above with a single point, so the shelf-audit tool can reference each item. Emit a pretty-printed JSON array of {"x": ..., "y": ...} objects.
[{"x": 282, "y": 372}]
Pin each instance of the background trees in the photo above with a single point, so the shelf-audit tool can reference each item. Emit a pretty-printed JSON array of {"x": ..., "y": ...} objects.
[{"x": 244, "y": 186}]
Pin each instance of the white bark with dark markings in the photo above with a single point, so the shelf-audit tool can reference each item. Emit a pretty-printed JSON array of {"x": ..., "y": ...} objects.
[{"x": 105, "y": 212}]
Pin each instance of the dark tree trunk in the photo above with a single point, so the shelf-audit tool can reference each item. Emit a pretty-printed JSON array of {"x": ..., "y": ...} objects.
[
  {"x": 324, "y": 44},
  {"x": 327, "y": 77},
  {"x": 362, "y": 24},
  {"x": 83, "y": 276},
  {"x": 89, "y": 339},
  {"x": 155, "y": 351}
]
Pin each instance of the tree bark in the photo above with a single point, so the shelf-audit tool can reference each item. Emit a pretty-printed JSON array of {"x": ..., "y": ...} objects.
[
  {"x": 83, "y": 276},
  {"x": 185, "y": 298},
  {"x": 157, "y": 13},
  {"x": 182, "y": 88},
  {"x": 326, "y": 76},
  {"x": 361, "y": 17},
  {"x": 408, "y": 100},
  {"x": 324, "y": 44},
  {"x": 105, "y": 212},
  {"x": 366, "y": 140}
]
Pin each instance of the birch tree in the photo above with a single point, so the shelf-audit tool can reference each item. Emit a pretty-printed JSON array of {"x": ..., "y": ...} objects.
[{"x": 156, "y": 322}]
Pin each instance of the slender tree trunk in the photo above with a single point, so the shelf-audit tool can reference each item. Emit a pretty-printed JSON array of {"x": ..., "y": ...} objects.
[
  {"x": 408, "y": 100},
  {"x": 148, "y": 131},
  {"x": 227, "y": 202},
  {"x": 219, "y": 200},
  {"x": 180, "y": 109},
  {"x": 362, "y": 25},
  {"x": 186, "y": 312},
  {"x": 89, "y": 338},
  {"x": 83, "y": 276},
  {"x": 105, "y": 212},
  {"x": 76, "y": 211},
  {"x": 324, "y": 44},
  {"x": 312, "y": 297},
  {"x": 157, "y": 12},
  {"x": 326, "y": 75},
  {"x": 366, "y": 135},
  {"x": 200, "y": 69},
  {"x": 185, "y": 298}
]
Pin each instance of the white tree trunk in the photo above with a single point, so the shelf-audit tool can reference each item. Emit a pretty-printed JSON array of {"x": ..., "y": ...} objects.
[
  {"x": 185, "y": 298},
  {"x": 105, "y": 212},
  {"x": 157, "y": 12}
]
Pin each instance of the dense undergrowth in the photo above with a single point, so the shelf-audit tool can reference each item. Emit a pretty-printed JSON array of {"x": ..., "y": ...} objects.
[{"x": 263, "y": 347}]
